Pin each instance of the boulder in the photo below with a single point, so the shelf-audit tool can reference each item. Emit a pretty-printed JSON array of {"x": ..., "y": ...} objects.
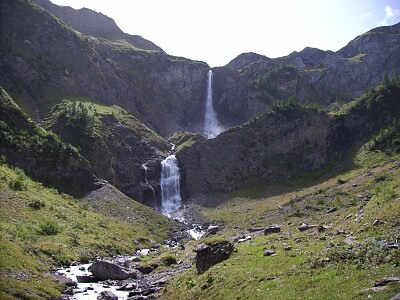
[
  {"x": 104, "y": 270},
  {"x": 209, "y": 254},
  {"x": 145, "y": 269},
  {"x": 322, "y": 228},
  {"x": 397, "y": 297},
  {"x": 107, "y": 295},
  {"x": 212, "y": 229},
  {"x": 87, "y": 278},
  {"x": 347, "y": 217},
  {"x": 331, "y": 210},
  {"x": 138, "y": 297},
  {"x": 255, "y": 229},
  {"x": 128, "y": 287},
  {"x": 377, "y": 222},
  {"x": 269, "y": 252},
  {"x": 304, "y": 227},
  {"x": 144, "y": 292},
  {"x": 244, "y": 239},
  {"x": 272, "y": 229}
]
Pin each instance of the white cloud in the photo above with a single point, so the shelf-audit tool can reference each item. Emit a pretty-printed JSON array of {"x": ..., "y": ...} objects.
[{"x": 390, "y": 13}]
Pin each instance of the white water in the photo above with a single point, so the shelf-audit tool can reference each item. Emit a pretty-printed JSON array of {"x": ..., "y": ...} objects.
[
  {"x": 170, "y": 185},
  {"x": 90, "y": 291},
  {"x": 196, "y": 232},
  {"x": 211, "y": 125}
]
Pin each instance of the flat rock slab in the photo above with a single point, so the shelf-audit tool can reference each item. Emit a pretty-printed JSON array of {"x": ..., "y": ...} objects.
[
  {"x": 87, "y": 279},
  {"x": 255, "y": 229},
  {"x": 386, "y": 281},
  {"x": 63, "y": 280}
]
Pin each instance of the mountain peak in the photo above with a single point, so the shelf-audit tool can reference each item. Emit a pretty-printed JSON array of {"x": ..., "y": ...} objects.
[
  {"x": 90, "y": 22},
  {"x": 245, "y": 59}
]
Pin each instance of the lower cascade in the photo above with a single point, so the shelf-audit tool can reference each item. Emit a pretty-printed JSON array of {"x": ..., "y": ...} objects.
[{"x": 170, "y": 185}]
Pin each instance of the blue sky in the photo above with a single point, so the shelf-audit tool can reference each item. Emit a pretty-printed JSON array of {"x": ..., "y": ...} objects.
[{"x": 216, "y": 31}]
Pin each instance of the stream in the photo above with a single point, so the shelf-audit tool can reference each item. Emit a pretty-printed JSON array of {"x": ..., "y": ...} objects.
[{"x": 90, "y": 291}]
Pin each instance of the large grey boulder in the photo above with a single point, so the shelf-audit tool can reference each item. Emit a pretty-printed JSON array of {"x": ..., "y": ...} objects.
[
  {"x": 104, "y": 270},
  {"x": 209, "y": 254}
]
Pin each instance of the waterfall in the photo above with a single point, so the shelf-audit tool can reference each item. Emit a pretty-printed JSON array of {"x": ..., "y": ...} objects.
[
  {"x": 170, "y": 185},
  {"x": 211, "y": 126},
  {"x": 145, "y": 168}
]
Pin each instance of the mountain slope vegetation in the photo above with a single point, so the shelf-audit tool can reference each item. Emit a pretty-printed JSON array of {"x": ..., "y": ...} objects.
[
  {"x": 115, "y": 143},
  {"x": 40, "y": 153}
]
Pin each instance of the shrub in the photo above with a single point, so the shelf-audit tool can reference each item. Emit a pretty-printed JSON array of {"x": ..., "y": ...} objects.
[
  {"x": 20, "y": 173},
  {"x": 17, "y": 185},
  {"x": 385, "y": 191},
  {"x": 36, "y": 203},
  {"x": 49, "y": 228},
  {"x": 168, "y": 259},
  {"x": 210, "y": 279},
  {"x": 190, "y": 283}
]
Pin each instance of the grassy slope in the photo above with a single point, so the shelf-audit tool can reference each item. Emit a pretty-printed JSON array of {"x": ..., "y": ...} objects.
[
  {"x": 183, "y": 139},
  {"x": 30, "y": 213},
  {"x": 357, "y": 257}
]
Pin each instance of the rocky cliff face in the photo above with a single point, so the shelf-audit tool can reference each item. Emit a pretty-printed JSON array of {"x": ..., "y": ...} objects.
[
  {"x": 286, "y": 141},
  {"x": 41, "y": 154},
  {"x": 267, "y": 148},
  {"x": 120, "y": 148}
]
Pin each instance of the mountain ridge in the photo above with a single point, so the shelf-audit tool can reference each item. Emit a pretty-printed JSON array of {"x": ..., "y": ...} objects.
[{"x": 93, "y": 23}]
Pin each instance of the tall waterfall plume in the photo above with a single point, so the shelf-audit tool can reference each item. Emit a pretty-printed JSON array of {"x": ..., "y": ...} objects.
[
  {"x": 211, "y": 125},
  {"x": 170, "y": 185}
]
